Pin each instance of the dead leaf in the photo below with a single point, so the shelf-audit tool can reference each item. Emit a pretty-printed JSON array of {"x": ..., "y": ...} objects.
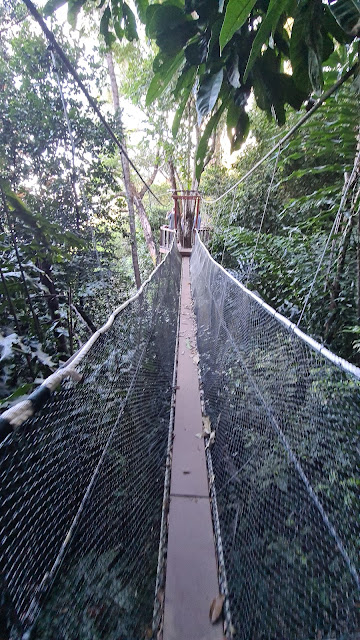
[
  {"x": 212, "y": 438},
  {"x": 199, "y": 435},
  {"x": 196, "y": 359},
  {"x": 216, "y": 608},
  {"x": 206, "y": 425},
  {"x": 186, "y": 472}
]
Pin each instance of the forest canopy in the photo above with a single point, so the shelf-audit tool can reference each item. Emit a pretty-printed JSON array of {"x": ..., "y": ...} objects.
[{"x": 78, "y": 228}]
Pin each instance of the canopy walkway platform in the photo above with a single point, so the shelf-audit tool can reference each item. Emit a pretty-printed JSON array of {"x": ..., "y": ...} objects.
[{"x": 199, "y": 447}]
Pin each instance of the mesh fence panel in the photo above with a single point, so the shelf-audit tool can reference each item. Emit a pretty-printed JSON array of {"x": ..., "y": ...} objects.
[
  {"x": 92, "y": 461},
  {"x": 285, "y": 460}
]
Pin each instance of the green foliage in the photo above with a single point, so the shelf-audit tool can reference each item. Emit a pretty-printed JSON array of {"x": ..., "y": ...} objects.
[
  {"x": 347, "y": 14},
  {"x": 49, "y": 210},
  {"x": 237, "y": 12},
  {"x": 227, "y": 48},
  {"x": 302, "y": 205}
]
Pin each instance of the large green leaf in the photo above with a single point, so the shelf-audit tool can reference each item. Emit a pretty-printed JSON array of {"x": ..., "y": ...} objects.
[
  {"x": 74, "y": 7},
  {"x": 161, "y": 18},
  {"x": 163, "y": 76},
  {"x": 104, "y": 28},
  {"x": 141, "y": 7},
  {"x": 208, "y": 92},
  {"x": 52, "y": 5},
  {"x": 21, "y": 391},
  {"x": 237, "y": 12},
  {"x": 130, "y": 23},
  {"x": 347, "y": 14},
  {"x": 187, "y": 81},
  {"x": 307, "y": 45},
  {"x": 203, "y": 146},
  {"x": 238, "y": 125},
  {"x": 168, "y": 25},
  {"x": 276, "y": 8},
  {"x": 196, "y": 51}
]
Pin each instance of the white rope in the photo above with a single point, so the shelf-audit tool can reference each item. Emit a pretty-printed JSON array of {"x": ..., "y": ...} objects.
[
  {"x": 316, "y": 346},
  {"x": 17, "y": 414},
  {"x": 263, "y": 215},
  {"x": 291, "y": 131},
  {"x": 228, "y": 227},
  {"x": 334, "y": 226}
]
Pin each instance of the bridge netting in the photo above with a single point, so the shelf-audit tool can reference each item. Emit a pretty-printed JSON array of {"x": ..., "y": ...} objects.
[
  {"x": 284, "y": 463},
  {"x": 82, "y": 484}
]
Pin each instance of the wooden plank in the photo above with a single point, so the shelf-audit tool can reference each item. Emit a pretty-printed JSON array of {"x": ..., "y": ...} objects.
[{"x": 191, "y": 578}]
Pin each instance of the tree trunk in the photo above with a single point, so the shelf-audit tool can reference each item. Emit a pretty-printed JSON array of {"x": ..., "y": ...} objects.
[
  {"x": 16, "y": 321},
  {"x": 53, "y": 303},
  {"x": 188, "y": 223},
  {"x": 126, "y": 171},
  {"x": 149, "y": 239},
  {"x": 177, "y": 206},
  {"x": 79, "y": 308}
]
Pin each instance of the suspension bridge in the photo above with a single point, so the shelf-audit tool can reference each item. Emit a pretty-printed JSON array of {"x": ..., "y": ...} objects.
[
  {"x": 191, "y": 473},
  {"x": 198, "y": 448}
]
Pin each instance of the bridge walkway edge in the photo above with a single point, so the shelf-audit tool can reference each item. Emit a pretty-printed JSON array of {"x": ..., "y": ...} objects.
[{"x": 191, "y": 575}]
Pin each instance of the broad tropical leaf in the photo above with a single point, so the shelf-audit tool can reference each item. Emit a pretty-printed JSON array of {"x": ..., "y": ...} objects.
[
  {"x": 238, "y": 125},
  {"x": 104, "y": 28},
  {"x": 276, "y": 8},
  {"x": 237, "y": 12},
  {"x": 164, "y": 74},
  {"x": 52, "y": 5},
  {"x": 347, "y": 14},
  {"x": 187, "y": 85},
  {"x": 208, "y": 92},
  {"x": 204, "y": 142},
  {"x": 141, "y": 6},
  {"x": 74, "y": 7}
]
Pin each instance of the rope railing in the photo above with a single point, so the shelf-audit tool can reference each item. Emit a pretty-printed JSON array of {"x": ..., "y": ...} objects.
[
  {"x": 82, "y": 479},
  {"x": 85, "y": 476},
  {"x": 285, "y": 413}
]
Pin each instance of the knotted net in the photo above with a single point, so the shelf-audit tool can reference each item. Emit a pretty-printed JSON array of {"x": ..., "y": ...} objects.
[
  {"x": 82, "y": 483},
  {"x": 285, "y": 459}
]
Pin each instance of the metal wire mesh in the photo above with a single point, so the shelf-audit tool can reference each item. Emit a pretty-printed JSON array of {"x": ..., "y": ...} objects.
[
  {"x": 285, "y": 460},
  {"x": 82, "y": 484}
]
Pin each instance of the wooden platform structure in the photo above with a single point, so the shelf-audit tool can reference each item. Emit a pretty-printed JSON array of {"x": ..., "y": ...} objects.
[{"x": 191, "y": 577}]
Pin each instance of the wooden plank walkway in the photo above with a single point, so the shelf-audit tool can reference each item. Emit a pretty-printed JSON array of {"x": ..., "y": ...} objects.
[{"x": 191, "y": 577}]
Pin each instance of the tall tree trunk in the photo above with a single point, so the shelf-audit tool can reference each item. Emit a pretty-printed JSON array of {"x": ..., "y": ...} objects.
[
  {"x": 16, "y": 321},
  {"x": 149, "y": 239},
  {"x": 126, "y": 171},
  {"x": 23, "y": 279},
  {"x": 177, "y": 206},
  {"x": 52, "y": 302}
]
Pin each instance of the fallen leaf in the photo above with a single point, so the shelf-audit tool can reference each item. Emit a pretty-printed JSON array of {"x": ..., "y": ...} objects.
[
  {"x": 186, "y": 473},
  {"x": 212, "y": 438},
  {"x": 188, "y": 345},
  {"x": 216, "y": 608},
  {"x": 206, "y": 425},
  {"x": 196, "y": 359},
  {"x": 199, "y": 435}
]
